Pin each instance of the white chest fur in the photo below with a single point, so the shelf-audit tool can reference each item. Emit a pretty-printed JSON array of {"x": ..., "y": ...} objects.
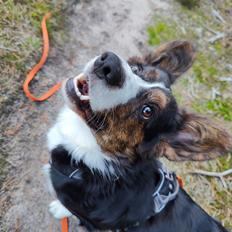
[{"x": 71, "y": 131}]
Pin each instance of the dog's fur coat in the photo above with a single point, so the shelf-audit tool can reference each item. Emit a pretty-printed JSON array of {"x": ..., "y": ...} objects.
[{"x": 104, "y": 146}]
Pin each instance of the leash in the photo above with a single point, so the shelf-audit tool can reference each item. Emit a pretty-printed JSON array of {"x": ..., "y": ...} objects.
[
  {"x": 38, "y": 66},
  {"x": 64, "y": 224},
  {"x": 180, "y": 181}
]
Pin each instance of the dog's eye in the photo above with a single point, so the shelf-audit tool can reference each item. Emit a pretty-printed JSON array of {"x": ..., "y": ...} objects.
[
  {"x": 147, "y": 111},
  {"x": 137, "y": 68},
  {"x": 134, "y": 69}
]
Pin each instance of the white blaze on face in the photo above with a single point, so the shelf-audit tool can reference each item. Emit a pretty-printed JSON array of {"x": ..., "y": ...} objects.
[{"x": 103, "y": 97}]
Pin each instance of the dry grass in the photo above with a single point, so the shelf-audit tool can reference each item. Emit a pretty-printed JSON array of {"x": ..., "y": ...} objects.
[
  {"x": 203, "y": 91},
  {"x": 20, "y": 41},
  {"x": 20, "y": 48}
]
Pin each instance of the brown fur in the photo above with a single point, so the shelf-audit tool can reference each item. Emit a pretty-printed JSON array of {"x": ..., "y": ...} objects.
[
  {"x": 159, "y": 98},
  {"x": 122, "y": 134},
  {"x": 199, "y": 139},
  {"x": 175, "y": 57}
]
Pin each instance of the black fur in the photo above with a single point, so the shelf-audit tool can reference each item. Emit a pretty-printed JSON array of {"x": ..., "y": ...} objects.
[{"x": 123, "y": 200}]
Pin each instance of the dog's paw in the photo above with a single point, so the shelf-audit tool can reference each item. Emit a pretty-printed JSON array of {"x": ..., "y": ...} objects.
[{"x": 58, "y": 210}]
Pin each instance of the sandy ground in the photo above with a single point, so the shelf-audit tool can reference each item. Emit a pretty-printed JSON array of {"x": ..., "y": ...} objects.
[{"x": 94, "y": 26}]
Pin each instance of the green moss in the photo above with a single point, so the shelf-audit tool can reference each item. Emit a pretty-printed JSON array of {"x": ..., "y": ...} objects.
[
  {"x": 205, "y": 69},
  {"x": 223, "y": 201},
  {"x": 161, "y": 32},
  {"x": 225, "y": 162},
  {"x": 221, "y": 107},
  {"x": 218, "y": 47}
]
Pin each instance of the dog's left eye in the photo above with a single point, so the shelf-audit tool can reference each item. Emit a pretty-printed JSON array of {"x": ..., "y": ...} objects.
[
  {"x": 147, "y": 111},
  {"x": 137, "y": 68}
]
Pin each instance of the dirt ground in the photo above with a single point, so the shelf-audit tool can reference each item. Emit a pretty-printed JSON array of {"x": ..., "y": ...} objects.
[
  {"x": 91, "y": 28},
  {"x": 90, "y": 34}
]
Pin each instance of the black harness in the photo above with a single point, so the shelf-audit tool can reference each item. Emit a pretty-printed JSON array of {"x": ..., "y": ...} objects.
[{"x": 165, "y": 191}]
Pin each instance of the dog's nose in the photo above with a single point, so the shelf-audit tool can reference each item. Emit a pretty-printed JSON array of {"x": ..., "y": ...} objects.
[{"x": 108, "y": 67}]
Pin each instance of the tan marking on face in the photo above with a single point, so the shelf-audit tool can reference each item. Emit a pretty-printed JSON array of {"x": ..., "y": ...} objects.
[
  {"x": 158, "y": 97},
  {"x": 135, "y": 60}
]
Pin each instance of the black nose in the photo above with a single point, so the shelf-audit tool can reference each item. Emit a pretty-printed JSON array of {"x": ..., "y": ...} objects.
[{"x": 108, "y": 67}]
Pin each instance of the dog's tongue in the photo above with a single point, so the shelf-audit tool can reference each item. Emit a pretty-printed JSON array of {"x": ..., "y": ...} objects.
[{"x": 83, "y": 86}]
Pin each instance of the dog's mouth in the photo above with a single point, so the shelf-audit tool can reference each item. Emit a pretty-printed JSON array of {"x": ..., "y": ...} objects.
[{"x": 77, "y": 90}]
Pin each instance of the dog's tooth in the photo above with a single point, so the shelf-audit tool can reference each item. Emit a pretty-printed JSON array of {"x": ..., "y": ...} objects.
[
  {"x": 76, "y": 88},
  {"x": 84, "y": 97},
  {"x": 80, "y": 76}
]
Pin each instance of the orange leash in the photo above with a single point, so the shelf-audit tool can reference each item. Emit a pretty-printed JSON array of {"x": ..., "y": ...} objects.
[
  {"x": 38, "y": 66},
  {"x": 64, "y": 224},
  {"x": 180, "y": 181}
]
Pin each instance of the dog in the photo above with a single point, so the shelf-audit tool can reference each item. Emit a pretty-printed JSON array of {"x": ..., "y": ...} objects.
[{"x": 119, "y": 118}]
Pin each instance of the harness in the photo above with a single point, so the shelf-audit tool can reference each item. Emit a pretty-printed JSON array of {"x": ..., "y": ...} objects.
[{"x": 165, "y": 191}]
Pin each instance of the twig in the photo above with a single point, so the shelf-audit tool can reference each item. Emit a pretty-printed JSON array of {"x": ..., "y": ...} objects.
[
  {"x": 210, "y": 29},
  {"x": 217, "y": 15},
  {"x": 228, "y": 79},
  {"x": 219, "y": 175},
  {"x": 214, "y": 93},
  {"x": 8, "y": 49},
  {"x": 229, "y": 66},
  {"x": 218, "y": 36}
]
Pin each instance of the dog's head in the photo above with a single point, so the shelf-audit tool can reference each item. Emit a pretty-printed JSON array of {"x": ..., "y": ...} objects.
[{"x": 131, "y": 111}]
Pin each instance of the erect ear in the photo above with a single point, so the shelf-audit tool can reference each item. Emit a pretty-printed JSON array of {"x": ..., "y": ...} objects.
[
  {"x": 197, "y": 139},
  {"x": 175, "y": 57}
]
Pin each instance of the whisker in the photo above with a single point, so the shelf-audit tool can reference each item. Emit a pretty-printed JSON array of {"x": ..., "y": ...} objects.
[{"x": 103, "y": 122}]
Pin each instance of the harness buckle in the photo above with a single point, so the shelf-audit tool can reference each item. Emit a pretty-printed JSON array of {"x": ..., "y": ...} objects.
[{"x": 160, "y": 198}]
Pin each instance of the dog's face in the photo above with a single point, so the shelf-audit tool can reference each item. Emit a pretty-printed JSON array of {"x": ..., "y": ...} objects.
[{"x": 131, "y": 111}]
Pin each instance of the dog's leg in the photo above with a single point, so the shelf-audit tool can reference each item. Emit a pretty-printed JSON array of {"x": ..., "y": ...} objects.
[
  {"x": 58, "y": 210},
  {"x": 46, "y": 171}
]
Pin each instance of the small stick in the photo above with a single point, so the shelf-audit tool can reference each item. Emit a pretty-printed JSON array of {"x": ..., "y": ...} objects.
[
  {"x": 210, "y": 29},
  {"x": 217, "y": 15},
  {"x": 219, "y": 175},
  {"x": 229, "y": 79},
  {"x": 219, "y": 35},
  {"x": 8, "y": 49}
]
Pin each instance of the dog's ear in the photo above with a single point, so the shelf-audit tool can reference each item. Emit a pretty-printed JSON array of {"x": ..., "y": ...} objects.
[
  {"x": 175, "y": 57},
  {"x": 197, "y": 139}
]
